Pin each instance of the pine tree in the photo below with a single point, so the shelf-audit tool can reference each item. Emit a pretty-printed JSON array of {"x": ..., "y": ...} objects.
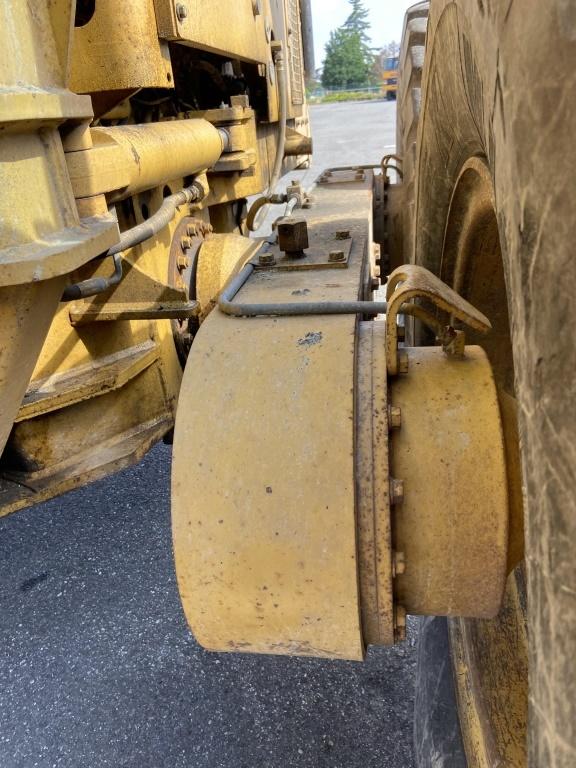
[
  {"x": 346, "y": 64},
  {"x": 358, "y": 22}
]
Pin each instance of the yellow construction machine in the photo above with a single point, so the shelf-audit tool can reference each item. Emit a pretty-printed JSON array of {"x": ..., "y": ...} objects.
[
  {"x": 390, "y": 77},
  {"x": 373, "y": 406}
]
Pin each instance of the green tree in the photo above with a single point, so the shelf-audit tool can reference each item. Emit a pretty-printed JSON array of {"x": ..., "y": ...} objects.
[
  {"x": 358, "y": 22},
  {"x": 346, "y": 64}
]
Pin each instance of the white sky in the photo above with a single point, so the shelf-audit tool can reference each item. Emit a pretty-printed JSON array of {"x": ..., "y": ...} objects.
[{"x": 386, "y": 18}]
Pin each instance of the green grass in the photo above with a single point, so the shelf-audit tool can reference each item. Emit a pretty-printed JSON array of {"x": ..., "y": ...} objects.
[{"x": 330, "y": 98}]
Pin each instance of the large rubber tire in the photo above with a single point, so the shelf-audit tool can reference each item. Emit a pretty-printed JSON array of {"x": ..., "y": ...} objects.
[
  {"x": 411, "y": 61},
  {"x": 499, "y": 91}
]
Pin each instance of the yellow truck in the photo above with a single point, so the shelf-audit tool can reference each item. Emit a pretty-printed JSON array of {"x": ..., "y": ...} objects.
[
  {"x": 342, "y": 458},
  {"x": 390, "y": 77}
]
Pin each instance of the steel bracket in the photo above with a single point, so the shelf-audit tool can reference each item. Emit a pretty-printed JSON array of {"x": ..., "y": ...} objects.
[{"x": 410, "y": 282}]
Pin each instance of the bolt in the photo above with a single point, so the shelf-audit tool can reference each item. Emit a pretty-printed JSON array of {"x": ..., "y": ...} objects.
[
  {"x": 292, "y": 236},
  {"x": 266, "y": 259},
  {"x": 399, "y": 623},
  {"x": 183, "y": 262},
  {"x": 185, "y": 243},
  {"x": 394, "y": 417},
  {"x": 342, "y": 234},
  {"x": 336, "y": 256},
  {"x": 181, "y": 12},
  {"x": 398, "y": 564},
  {"x": 396, "y": 491},
  {"x": 402, "y": 362}
]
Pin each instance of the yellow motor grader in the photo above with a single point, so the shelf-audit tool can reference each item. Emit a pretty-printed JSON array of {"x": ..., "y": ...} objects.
[{"x": 372, "y": 408}]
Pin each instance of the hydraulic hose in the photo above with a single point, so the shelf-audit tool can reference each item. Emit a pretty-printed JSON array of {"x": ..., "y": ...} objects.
[
  {"x": 94, "y": 285},
  {"x": 157, "y": 221},
  {"x": 134, "y": 236}
]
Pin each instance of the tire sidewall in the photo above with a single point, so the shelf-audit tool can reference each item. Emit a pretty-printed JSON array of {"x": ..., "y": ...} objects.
[{"x": 496, "y": 87}]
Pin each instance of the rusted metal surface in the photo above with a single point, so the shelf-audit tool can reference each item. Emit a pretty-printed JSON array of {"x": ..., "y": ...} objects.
[
  {"x": 220, "y": 257},
  {"x": 297, "y": 143},
  {"x": 117, "y": 49},
  {"x": 90, "y": 380},
  {"x": 372, "y": 478},
  {"x": 123, "y": 448},
  {"x": 266, "y": 546},
  {"x": 42, "y": 237},
  {"x": 292, "y": 236},
  {"x": 452, "y": 523},
  {"x": 409, "y": 282},
  {"x": 206, "y": 27}
]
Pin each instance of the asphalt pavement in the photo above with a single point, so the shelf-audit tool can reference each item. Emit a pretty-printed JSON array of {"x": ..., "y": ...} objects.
[{"x": 97, "y": 665}]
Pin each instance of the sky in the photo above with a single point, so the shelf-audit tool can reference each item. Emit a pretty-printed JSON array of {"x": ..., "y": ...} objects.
[{"x": 386, "y": 18}]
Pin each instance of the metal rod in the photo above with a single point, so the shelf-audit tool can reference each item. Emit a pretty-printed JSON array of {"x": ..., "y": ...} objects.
[
  {"x": 157, "y": 221},
  {"x": 228, "y": 307},
  {"x": 94, "y": 285}
]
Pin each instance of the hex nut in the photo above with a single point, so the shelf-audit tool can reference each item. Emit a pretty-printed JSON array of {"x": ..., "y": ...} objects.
[
  {"x": 342, "y": 234},
  {"x": 398, "y": 563},
  {"x": 185, "y": 243},
  {"x": 336, "y": 256},
  {"x": 394, "y": 417},
  {"x": 292, "y": 235},
  {"x": 399, "y": 623},
  {"x": 396, "y": 491},
  {"x": 266, "y": 259},
  {"x": 402, "y": 362},
  {"x": 183, "y": 262},
  {"x": 375, "y": 283},
  {"x": 181, "y": 12}
]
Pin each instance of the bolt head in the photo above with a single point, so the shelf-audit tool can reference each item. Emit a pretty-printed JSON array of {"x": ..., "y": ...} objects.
[
  {"x": 399, "y": 623},
  {"x": 185, "y": 243},
  {"x": 181, "y": 12},
  {"x": 266, "y": 259},
  {"x": 183, "y": 262},
  {"x": 394, "y": 417},
  {"x": 292, "y": 235},
  {"x": 402, "y": 362},
  {"x": 336, "y": 256},
  {"x": 396, "y": 491},
  {"x": 398, "y": 563}
]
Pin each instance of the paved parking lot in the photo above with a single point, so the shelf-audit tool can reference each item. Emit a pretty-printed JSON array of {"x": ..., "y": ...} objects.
[{"x": 97, "y": 665}]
